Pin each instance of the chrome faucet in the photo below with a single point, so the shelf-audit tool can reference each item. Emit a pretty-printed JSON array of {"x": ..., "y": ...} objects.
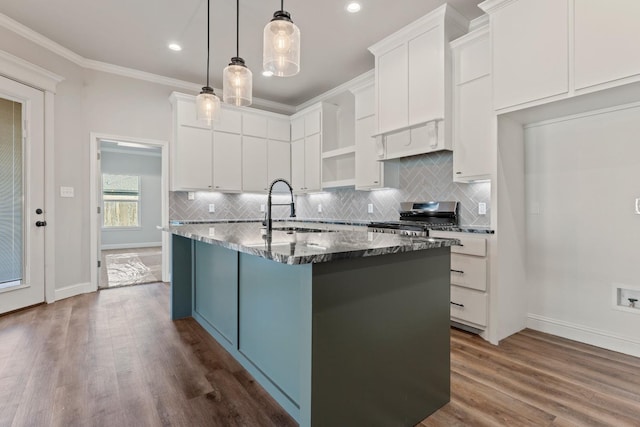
[{"x": 269, "y": 222}]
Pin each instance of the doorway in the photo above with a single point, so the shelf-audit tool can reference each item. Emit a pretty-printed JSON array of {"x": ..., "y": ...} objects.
[
  {"x": 130, "y": 192},
  {"x": 22, "y": 215}
]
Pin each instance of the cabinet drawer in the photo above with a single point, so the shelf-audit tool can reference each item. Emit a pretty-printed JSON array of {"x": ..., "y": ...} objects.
[
  {"x": 469, "y": 306},
  {"x": 470, "y": 245},
  {"x": 469, "y": 271}
]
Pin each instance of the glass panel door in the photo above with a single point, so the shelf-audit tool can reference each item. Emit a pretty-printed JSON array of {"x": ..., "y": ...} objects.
[{"x": 11, "y": 194}]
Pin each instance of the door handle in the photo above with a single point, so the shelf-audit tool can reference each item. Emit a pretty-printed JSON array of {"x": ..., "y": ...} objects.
[{"x": 41, "y": 223}]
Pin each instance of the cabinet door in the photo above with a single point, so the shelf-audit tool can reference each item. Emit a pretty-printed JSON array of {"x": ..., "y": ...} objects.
[
  {"x": 279, "y": 160},
  {"x": 426, "y": 77},
  {"x": 312, "y": 122},
  {"x": 392, "y": 82},
  {"x": 297, "y": 165},
  {"x": 474, "y": 122},
  {"x": 192, "y": 161},
  {"x": 297, "y": 128},
  {"x": 365, "y": 103},
  {"x": 312, "y": 177},
  {"x": 186, "y": 114},
  {"x": 367, "y": 166},
  {"x": 254, "y": 164},
  {"x": 230, "y": 121},
  {"x": 279, "y": 130},
  {"x": 227, "y": 162},
  {"x": 530, "y": 51},
  {"x": 604, "y": 31},
  {"x": 254, "y": 125}
]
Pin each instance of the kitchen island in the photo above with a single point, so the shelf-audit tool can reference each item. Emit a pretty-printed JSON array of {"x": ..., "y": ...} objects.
[{"x": 340, "y": 327}]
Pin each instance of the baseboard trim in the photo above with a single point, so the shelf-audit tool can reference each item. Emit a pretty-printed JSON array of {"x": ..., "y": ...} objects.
[
  {"x": 130, "y": 246},
  {"x": 73, "y": 290},
  {"x": 584, "y": 334}
]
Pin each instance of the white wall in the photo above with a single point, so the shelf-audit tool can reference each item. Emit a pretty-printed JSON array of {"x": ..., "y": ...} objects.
[
  {"x": 149, "y": 168},
  {"x": 582, "y": 234},
  {"x": 88, "y": 101}
]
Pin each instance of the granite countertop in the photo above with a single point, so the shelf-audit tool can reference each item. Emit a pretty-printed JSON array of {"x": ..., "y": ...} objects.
[
  {"x": 304, "y": 247},
  {"x": 363, "y": 223}
]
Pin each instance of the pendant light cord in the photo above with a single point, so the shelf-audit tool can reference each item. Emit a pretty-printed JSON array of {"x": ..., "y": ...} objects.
[
  {"x": 208, "y": 38},
  {"x": 237, "y": 28},
  {"x": 281, "y": 4}
]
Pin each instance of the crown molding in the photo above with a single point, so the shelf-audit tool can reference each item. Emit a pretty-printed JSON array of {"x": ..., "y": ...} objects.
[
  {"x": 50, "y": 45},
  {"x": 30, "y": 74},
  {"x": 480, "y": 22}
]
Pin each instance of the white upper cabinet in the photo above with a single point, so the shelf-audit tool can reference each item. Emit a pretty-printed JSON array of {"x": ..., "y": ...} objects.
[
  {"x": 310, "y": 128},
  {"x": 254, "y": 125},
  {"x": 474, "y": 120},
  {"x": 227, "y": 162},
  {"x": 279, "y": 129},
  {"x": 412, "y": 84},
  {"x": 530, "y": 50},
  {"x": 370, "y": 173},
  {"x": 239, "y": 153},
  {"x": 254, "y": 164},
  {"x": 605, "y": 39},
  {"x": 278, "y": 160}
]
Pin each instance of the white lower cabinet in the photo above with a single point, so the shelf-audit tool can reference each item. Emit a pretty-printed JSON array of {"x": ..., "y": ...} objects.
[{"x": 469, "y": 279}]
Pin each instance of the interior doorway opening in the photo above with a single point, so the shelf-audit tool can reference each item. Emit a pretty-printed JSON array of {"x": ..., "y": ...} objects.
[{"x": 130, "y": 197}]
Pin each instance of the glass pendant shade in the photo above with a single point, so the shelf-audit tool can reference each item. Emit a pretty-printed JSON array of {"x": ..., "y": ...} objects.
[
  {"x": 237, "y": 84},
  {"x": 281, "y": 47},
  {"x": 207, "y": 106}
]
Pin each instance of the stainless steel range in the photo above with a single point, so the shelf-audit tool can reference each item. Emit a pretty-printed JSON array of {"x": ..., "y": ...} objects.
[{"x": 416, "y": 218}]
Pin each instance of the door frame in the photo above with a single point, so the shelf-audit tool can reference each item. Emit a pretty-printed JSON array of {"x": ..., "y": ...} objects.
[
  {"x": 21, "y": 71},
  {"x": 94, "y": 181}
]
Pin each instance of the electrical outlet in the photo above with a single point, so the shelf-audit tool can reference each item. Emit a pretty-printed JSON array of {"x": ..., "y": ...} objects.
[
  {"x": 66, "y": 192},
  {"x": 482, "y": 208},
  {"x": 212, "y": 207},
  {"x": 262, "y": 207},
  {"x": 191, "y": 195},
  {"x": 319, "y": 208},
  {"x": 370, "y": 208}
]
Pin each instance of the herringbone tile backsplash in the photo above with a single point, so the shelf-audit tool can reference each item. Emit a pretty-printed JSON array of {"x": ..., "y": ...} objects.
[{"x": 422, "y": 178}]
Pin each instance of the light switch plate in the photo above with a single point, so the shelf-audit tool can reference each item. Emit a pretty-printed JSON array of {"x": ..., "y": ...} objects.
[
  {"x": 262, "y": 207},
  {"x": 482, "y": 208},
  {"x": 319, "y": 208},
  {"x": 212, "y": 207},
  {"x": 370, "y": 208},
  {"x": 66, "y": 192},
  {"x": 191, "y": 195}
]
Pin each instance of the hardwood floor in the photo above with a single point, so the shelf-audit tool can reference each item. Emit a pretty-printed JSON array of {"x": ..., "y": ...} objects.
[{"x": 114, "y": 358}]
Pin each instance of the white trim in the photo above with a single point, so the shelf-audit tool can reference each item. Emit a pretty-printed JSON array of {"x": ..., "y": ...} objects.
[
  {"x": 362, "y": 79},
  {"x": 73, "y": 290},
  {"x": 584, "y": 334},
  {"x": 130, "y": 245},
  {"x": 490, "y": 6},
  {"x": 30, "y": 74},
  {"x": 131, "y": 152},
  {"x": 94, "y": 148},
  {"x": 104, "y": 67},
  {"x": 479, "y": 22},
  {"x": 49, "y": 198},
  {"x": 589, "y": 113}
]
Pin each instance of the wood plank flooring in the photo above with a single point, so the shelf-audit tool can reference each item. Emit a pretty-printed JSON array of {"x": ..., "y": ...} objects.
[{"x": 114, "y": 358}]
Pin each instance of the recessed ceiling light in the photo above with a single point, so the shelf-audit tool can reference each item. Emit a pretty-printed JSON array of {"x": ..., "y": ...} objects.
[
  {"x": 267, "y": 73},
  {"x": 175, "y": 46},
  {"x": 353, "y": 7}
]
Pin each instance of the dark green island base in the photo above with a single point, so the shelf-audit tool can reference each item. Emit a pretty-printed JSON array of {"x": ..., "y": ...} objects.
[{"x": 352, "y": 342}]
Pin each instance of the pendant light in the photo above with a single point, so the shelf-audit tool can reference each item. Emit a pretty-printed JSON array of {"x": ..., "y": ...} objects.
[
  {"x": 281, "y": 47},
  {"x": 207, "y": 103},
  {"x": 237, "y": 84}
]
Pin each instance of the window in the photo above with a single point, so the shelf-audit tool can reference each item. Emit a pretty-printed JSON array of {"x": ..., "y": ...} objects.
[{"x": 121, "y": 200}]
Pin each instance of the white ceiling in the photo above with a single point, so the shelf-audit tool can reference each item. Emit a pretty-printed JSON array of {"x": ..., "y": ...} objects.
[{"x": 135, "y": 34}]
